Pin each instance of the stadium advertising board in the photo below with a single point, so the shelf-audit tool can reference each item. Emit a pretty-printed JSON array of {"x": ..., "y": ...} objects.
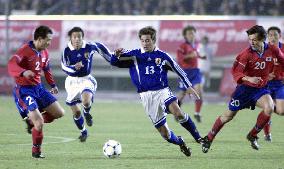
[
  {"x": 21, "y": 31},
  {"x": 227, "y": 37}
]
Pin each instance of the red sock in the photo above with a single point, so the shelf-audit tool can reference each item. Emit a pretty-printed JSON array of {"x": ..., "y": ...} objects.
[
  {"x": 198, "y": 104},
  {"x": 262, "y": 119},
  {"x": 37, "y": 137},
  {"x": 215, "y": 129},
  {"x": 266, "y": 128},
  {"x": 47, "y": 117}
]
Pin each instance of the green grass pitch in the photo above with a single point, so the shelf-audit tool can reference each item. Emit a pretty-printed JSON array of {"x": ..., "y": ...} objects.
[{"x": 142, "y": 146}]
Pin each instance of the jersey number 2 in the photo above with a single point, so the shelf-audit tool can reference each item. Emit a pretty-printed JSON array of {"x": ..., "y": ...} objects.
[{"x": 37, "y": 66}]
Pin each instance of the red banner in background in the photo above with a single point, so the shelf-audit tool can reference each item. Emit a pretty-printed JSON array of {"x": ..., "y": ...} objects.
[
  {"x": 226, "y": 37},
  {"x": 6, "y": 82},
  {"x": 22, "y": 31}
]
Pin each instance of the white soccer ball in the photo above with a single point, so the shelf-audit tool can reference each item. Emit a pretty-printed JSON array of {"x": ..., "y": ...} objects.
[{"x": 112, "y": 149}]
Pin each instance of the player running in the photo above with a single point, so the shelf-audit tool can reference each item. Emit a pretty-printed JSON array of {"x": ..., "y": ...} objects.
[
  {"x": 26, "y": 66},
  {"x": 250, "y": 70},
  {"x": 148, "y": 72}
]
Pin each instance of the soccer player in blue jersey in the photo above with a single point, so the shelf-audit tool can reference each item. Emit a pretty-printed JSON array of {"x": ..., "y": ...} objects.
[
  {"x": 148, "y": 72},
  {"x": 80, "y": 85}
]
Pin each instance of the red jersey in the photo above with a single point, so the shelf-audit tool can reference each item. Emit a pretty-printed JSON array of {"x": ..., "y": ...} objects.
[
  {"x": 183, "y": 50},
  {"x": 250, "y": 63},
  {"x": 278, "y": 68},
  {"x": 27, "y": 58}
]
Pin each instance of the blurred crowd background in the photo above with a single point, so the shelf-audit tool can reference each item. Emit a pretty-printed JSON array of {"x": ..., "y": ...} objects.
[{"x": 146, "y": 7}]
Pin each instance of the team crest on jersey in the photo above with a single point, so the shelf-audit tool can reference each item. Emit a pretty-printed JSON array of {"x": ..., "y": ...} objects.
[
  {"x": 158, "y": 61},
  {"x": 149, "y": 59},
  {"x": 86, "y": 54},
  {"x": 268, "y": 59},
  {"x": 79, "y": 55}
]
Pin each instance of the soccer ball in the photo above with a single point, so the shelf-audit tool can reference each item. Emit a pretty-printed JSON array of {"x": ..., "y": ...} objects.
[{"x": 112, "y": 149}]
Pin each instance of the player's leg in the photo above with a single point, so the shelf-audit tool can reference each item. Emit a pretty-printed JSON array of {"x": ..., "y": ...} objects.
[
  {"x": 49, "y": 105},
  {"x": 198, "y": 103},
  {"x": 87, "y": 99},
  {"x": 22, "y": 109},
  {"x": 265, "y": 102},
  {"x": 217, "y": 126},
  {"x": 169, "y": 135},
  {"x": 37, "y": 133},
  {"x": 89, "y": 86},
  {"x": 184, "y": 120},
  {"x": 79, "y": 121},
  {"x": 181, "y": 93},
  {"x": 151, "y": 101}
]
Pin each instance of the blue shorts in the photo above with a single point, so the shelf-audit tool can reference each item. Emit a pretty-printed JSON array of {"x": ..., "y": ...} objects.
[
  {"x": 276, "y": 88},
  {"x": 22, "y": 108},
  {"x": 34, "y": 97},
  {"x": 193, "y": 75},
  {"x": 246, "y": 97}
]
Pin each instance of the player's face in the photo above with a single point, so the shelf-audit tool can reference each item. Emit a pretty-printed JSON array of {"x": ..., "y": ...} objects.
[
  {"x": 255, "y": 43},
  {"x": 273, "y": 37},
  {"x": 147, "y": 43},
  {"x": 77, "y": 40},
  {"x": 44, "y": 43},
  {"x": 190, "y": 36}
]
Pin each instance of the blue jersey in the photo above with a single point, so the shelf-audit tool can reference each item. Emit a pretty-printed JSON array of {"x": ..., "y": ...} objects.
[
  {"x": 85, "y": 55},
  {"x": 148, "y": 70}
]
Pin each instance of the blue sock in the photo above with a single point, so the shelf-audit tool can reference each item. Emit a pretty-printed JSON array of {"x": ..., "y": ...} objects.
[
  {"x": 189, "y": 125},
  {"x": 174, "y": 139},
  {"x": 87, "y": 109},
  {"x": 79, "y": 122}
]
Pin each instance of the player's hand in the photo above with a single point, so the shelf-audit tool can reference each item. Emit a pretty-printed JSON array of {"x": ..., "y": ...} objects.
[
  {"x": 28, "y": 74},
  {"x": 191, "y": 91},
  {"x": 118, "y": 52},
  {"x": 79, "y": 65},
  {"x": 54, "y": 90},
  {"x": 271, "y": 76},
  {"x": 254, "y": 80}
]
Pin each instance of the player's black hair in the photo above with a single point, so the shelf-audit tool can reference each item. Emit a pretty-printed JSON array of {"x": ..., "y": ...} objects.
[
  {"x": 42, "y": 32},
  {"x": 261, "y": 33},
  {"x": 75, "y": 29},
  {"x": 188, "y": 28},
  {"x": 274, "y": 28},
  {"x": 149, "y": 30}
]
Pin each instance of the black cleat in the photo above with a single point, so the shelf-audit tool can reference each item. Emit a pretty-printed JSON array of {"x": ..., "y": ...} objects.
[
  {"x": 253, "y": 141},
  {"x": 83, "y": 137},
  {"x": 197, "y": 117},
  {"x": 89, "y": 119},
  {"x": 183, "y": 148},
  {"x": 29, "y": 126},
  {"x": 205, "y": 144},
  {"x": 268, "y": 137},
  {"x": 38, "y": 155}
]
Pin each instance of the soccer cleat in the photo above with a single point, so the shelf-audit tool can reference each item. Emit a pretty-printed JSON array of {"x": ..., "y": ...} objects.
[
  {"x": 29, "y": 126},
  {"x": 268, "y": 137},
  {"x": 183, "y": 148},
  {"x": 253, "y": 141},
  {"x": 205, "y": 144},
  {"x": 197, "y": 117},
  {"x": 89, "y": 119},
  {"x": 37, "y": 155},
  {"x": 83, "y": 137}
]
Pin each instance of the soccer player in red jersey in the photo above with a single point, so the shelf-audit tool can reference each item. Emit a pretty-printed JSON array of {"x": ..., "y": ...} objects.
[
  {"x": 26, "y": 66},
  {"x": 251, "y": 71},
  {"x": 187, "y": 57},
  {"x": 275, "y": 85}
]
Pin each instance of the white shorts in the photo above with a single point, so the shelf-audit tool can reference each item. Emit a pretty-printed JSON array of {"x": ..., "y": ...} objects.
[
  {"x": 75, "y": 86},
  {"x": 156, "y": 104}
]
